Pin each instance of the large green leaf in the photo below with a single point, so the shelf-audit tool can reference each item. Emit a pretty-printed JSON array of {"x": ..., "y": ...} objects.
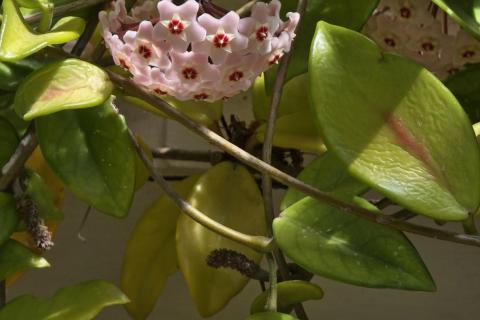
[
  {"x": 294, "y": 98},
  {"x": 151, "y": 256},
  {"x": 465, "y": 85},
  {"x": 17, "y": 40},
  {"x": 328, "y": 174},
  {"x": 228, "y": 194},
  {"x": 465, "y": 12},
  {"x": 78, "y": 302},
  {"x": 271, "y": 316},
  {"x": 8, "y": 141},
  {"x": 8, "y": 216},
  {"x": 351, "y": 14},
  {"x": 397, "y": 127},
  {"x": 90, "y": 152},
  {"x": 289, "y": 293},
  {"x": 15, "y": 257},
  {"x": 337, "y": 245},
  {"x": 67, "y": 84}
]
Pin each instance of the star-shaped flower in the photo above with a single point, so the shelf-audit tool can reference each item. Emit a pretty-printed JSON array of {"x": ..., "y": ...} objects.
[
  {"x": 178, "y": 24},
  {"x": 223, "y": 37}
]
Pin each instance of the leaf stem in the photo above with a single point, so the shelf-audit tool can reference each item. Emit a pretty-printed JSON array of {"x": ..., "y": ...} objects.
[
  {"x": 271, "y": 303},
  {"x": 469, "y": 225},
  {"x": 284, "y": 178},
  {"x": 65, "y": 8},
  {"x": 267, "y": 158},
  {"x": 258, "y": 243},
  {"x": 14, "y": 166}
]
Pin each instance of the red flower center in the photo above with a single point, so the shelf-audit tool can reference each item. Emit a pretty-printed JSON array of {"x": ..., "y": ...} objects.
[
  {"x": 390, "y": 42},
  {"x": 262, "y": 33},
  {"x": 428, "y": 46},
  {"x": 235, "y": 76},
  {"x": 221, "y": 40},
  {"x": 145, "y": 51},
  {"x": 275, "y": 58},
  {"x": 405, "y": 13},
  {"x": 124, "y": 64},
  {"x": 159, "y": 91},
  {"x": 176, "y": 26},
  {"x": 468, "y": 54},
  {"x": 189, "y": 73},
  {"x": 201, "y": 96}
]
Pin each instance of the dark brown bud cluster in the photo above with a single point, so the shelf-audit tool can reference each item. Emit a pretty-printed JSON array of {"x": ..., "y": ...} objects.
[{"x": 225, "y": 258}]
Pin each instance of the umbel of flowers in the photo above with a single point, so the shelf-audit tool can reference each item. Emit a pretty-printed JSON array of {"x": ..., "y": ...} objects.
[
  {"x": 421, "y": 31},
  {"x": 173, "y": 50}
]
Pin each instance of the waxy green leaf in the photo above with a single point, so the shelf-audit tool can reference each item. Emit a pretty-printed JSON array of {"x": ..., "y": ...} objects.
[
  {"x": 465, "y": 85},
  {"x": 151, "y": 256},
  {"x": 78, "y": 302},
  {"x": 8, "y": 216},
  {"x": 18, "y": 40},
  {"x": 328, "y": 174},
  {"x": 90, "y": 151},
  {"x": 465, "y": 12},
  {"x": 289, "y": 293},
  {"x": 338, "y": 245},
  {"x": 228, "y": 194},
  {"x": 390, "y": 126},
  {"x": 352, "y": 14},
  {"x": 271, "y": 316},
  {"x": 295, "y": 131},
  {"x": 67, "y": 84},
  {"x": 8, "y": 141},
  {"x": 15, "y": 257}
]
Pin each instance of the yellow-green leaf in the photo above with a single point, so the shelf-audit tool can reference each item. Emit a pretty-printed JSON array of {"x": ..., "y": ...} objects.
[
  {"x": 67, "y": 84},
  {"x": 18, "y": 40},
  {"x": 151, "y": 257},
  {"x": 228, "y": 194}
]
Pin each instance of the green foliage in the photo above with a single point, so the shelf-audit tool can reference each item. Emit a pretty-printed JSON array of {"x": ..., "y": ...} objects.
[
  {"x": 328, "y": 174},
  {"x": 350, "y": 14},
  {"x": 150, "y": 256},
  {"x": 271, "y": 316},
  {"x": 465, "y": 85},
  {"x": 240, "y": 208},
  {"x": 15, "y": 257},
  {"x": 9, "y": 141},
  {"x": 8, "y": 217},
  {"x": 42, "y": 196},
  {"x": 18, "y": 41},
  {"x": 465, "y": 12},
  {"x": 337, "y": 245},
  {"x": 90, "y": 151},
  {"x": 78, "y": 302},
  {"x": 67, "y": 84},
  {"x": 389, "y": 126},
  {"x": 207, "y": 113},
  {"x": 289, "y": 293}
]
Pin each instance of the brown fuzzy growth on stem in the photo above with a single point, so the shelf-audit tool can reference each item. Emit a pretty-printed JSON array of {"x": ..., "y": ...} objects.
[{"x": 226, "y": 258}]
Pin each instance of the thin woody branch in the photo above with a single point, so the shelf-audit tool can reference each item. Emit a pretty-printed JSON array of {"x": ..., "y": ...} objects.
[
  {"x": 14, "y": 166},
  {"x": 258, "y": 243},
  {"x": 284, "y": 178},
  {"x": 267, "y": 158}
]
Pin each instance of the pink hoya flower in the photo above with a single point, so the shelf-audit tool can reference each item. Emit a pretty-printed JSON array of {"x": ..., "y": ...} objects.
[
  {"x": 419, "y": 30},
  {"x": 183, "y": 52}
]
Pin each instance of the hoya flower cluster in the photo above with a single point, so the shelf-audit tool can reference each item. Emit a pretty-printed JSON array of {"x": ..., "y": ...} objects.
[
  {"x": 421, "y": 31},
  {"x": 172, "y": 50}
]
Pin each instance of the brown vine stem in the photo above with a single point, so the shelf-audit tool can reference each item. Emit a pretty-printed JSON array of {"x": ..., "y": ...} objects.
[
  {"x": 14, "y": 166},
  {"x": 259, "y": 243},
  {"x": 282, "y": 177},
  {"x": 267, "y": 158}
]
